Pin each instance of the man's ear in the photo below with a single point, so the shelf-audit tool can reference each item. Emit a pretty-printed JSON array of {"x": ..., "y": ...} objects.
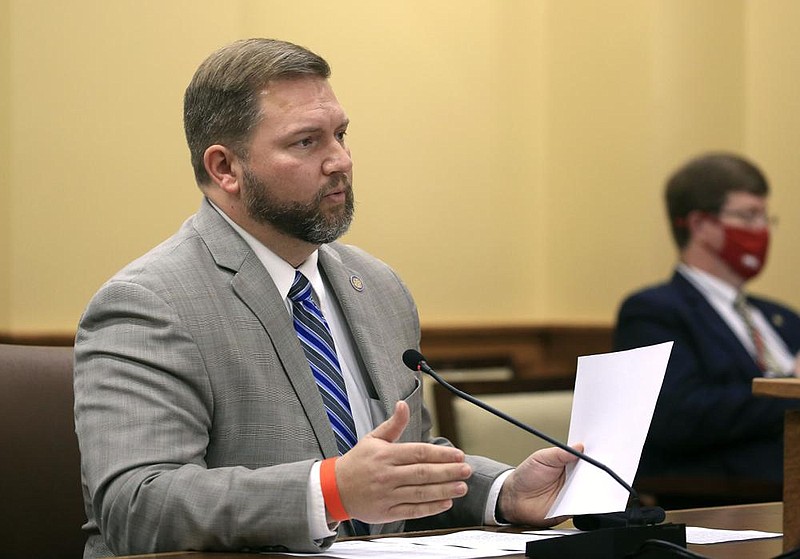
[
  {"x": 696, "y": 221},
  {"x": 702, "y": 225},
  {"x": 223, "y": 167}
]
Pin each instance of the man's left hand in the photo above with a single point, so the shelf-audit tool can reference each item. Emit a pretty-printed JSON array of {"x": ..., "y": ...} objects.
[{"x": 529, "y": 492}]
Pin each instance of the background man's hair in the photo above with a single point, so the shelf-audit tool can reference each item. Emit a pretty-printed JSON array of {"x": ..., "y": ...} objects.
[{"x": 703, "y": 184}]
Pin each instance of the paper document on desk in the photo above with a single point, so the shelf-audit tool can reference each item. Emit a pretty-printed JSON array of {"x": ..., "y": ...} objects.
[{"x": 615, "y": 395}]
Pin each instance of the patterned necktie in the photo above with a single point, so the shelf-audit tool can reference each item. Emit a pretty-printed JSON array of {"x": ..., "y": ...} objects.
[
  {"x": 317, "y": 342},
  {"x": 763, "y": 357}
]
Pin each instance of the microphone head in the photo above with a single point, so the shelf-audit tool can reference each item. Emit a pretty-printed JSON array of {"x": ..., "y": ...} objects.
[{"x": 412, "y": 358}]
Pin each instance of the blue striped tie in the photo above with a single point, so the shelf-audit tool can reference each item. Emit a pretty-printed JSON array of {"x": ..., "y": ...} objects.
[{"x": 317, "y": 342}]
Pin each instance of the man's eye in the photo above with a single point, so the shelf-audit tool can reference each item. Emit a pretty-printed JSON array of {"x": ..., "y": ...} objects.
[
  {"x": 305, "y": 142},
  {"x": 340, "y": 135}
]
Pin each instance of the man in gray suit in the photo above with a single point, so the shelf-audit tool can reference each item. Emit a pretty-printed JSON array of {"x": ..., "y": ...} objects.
[{"x": 201, "y": 425}]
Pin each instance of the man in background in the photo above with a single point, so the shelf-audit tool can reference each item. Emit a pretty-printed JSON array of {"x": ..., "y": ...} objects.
[
  {"x": 241, "y": 385},
  {"x": 707, "y": 422}
]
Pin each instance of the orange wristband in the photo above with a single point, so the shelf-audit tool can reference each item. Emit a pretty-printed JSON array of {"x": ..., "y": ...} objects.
[{"x": 330, "y": 490}]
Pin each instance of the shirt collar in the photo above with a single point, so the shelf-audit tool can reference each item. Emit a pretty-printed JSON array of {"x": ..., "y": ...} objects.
[{"x": 708, "y": 284}]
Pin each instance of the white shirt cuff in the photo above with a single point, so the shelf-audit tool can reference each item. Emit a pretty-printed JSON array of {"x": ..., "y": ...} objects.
[
  {"x": 315, "y": 507},
  {"x": 489, "y": 517}
]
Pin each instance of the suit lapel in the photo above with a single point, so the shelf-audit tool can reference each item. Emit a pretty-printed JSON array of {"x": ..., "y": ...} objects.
[
  {"x": 255, "y": 288},
  {"x": 712, "y": 323},
  {"x": 354, "y": 295}
]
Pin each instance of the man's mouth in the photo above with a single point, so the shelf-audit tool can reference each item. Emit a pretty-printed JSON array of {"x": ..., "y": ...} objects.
[{"x": 339, "y": 190}]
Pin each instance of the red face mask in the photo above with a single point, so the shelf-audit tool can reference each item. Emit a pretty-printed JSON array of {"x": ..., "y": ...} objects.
[{"x": 745, "y": 250}]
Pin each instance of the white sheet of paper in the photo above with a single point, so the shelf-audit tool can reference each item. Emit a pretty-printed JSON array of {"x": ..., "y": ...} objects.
[
  {"x": 615, "y": 395},
  {"x": 716, "y": 535},
  {"x": 477, "y": 539},
  {"x": 361, "y": 549}
]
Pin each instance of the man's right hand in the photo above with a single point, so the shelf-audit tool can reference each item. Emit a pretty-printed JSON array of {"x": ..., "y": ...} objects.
[{"x": 381, "y": 480}]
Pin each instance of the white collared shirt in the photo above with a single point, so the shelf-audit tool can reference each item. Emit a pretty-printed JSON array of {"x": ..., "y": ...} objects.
[{"x": 721, "y": 296}]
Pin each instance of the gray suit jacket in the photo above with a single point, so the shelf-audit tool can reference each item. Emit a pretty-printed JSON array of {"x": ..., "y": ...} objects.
[{"x": 196, "y": 412}]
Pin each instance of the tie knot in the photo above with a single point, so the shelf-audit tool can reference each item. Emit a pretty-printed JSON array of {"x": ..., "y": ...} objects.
[
  {"x": 740, "y": 303},
  {"x": 301, "y": 288}
]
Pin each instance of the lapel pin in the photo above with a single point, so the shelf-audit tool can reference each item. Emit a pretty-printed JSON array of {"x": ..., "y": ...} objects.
[
  {"x": 357, "y": 283},
  {"x": 777, "y": 320}
]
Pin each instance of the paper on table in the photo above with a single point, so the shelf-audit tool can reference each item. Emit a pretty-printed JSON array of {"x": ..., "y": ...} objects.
[
  {"x": 615, "y": 395},
  {"x": 361, "y": 549},
  {"x": 716, "y": 535},
  {"x": 478, "y": 539}
]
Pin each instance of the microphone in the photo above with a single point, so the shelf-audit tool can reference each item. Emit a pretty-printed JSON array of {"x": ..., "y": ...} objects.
[{"x": 615, "y": 534}]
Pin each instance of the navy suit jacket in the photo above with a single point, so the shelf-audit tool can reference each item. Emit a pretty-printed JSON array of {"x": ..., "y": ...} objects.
[{"x": 707, "y": 421}]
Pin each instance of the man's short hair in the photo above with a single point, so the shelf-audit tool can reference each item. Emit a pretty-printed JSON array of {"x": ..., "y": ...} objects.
[
  {"x": 221, "y": 104},
  {"x": 703, "y": 184}
]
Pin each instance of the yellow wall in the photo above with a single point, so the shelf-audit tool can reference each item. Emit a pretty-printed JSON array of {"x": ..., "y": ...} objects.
[
  {"x": 5, "y": 163},
  {"x": 510, "y": 154},
  {"x": 772, "y": 125}
]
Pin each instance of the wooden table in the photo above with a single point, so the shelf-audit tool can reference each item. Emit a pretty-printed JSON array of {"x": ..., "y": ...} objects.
[
  {"x": 787, "y": 388},
  {"x": 766, "y": 517}
]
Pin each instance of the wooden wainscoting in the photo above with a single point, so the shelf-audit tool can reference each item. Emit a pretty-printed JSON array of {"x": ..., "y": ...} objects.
[
  {"x": 532, "y": 352},
  {"x": 45, "y": 339}
]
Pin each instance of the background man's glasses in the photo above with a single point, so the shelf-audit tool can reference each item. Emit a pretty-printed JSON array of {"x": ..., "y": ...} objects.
[{"x": 751, "y": 218}]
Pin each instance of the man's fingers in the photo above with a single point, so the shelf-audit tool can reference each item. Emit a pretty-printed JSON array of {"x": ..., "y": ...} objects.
[
  {"x": 417, "y": 494},
  {"x": 419, "y": 501},
  {"x": 555, "y": 457},
  {"x": 406, "y": 511},
  {"x": 412, "y": 453},
  {"x": 419, "y": 474},
  {"x": 419, "y": 454}
]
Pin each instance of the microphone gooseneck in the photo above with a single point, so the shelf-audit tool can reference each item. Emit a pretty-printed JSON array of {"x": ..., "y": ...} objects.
[{"x": 415, "y": 361}]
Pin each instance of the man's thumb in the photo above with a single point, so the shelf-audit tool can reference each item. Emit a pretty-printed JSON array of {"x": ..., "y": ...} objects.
[{"x": 391, "y": 429}]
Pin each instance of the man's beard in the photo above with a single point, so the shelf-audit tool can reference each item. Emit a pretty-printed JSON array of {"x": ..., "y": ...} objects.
[{"x": 306, "y": 222}]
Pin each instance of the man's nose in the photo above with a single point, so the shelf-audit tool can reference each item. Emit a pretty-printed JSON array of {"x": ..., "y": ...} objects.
[{"x": 337, "y": 160}]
